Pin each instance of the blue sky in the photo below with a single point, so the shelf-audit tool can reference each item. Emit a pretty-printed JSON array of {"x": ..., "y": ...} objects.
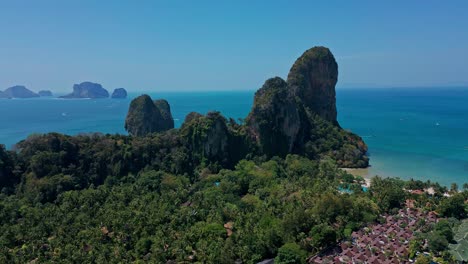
[{"x": 227, "y": 45}]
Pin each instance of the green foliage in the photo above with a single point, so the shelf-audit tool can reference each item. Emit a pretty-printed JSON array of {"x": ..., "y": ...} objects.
[
  {"x": 7, "y": 168},
  {"x": 155, "y": 215},
  {"x": 327, "y": 139},
  {"x": 415, "y": 246},
  {"x": 437, "y": 242},
  {"x": 454, "y": 206},
  {"x": 387, "y": 192},
  {"x": 423, "y": 259},
  {"x": 290, "y": 253},
  {"x": 182, "y": 196},
  {"x": 444, "y": 228},
  {"x": 322, "y": 236}
]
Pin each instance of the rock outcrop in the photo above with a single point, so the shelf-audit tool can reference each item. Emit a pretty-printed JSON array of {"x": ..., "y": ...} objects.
[
  {"x": 312, "y": 81},
  {"x": 166, "y": 122},
  {"x": 87, "y": 90},
  {"x": 299, "y": 116},
  {"x": 207, "y": 137},
  {"x": 145, "y": 117},
  {"x": 19, "y": 91},
  {"x": 274, "y": 119},
  {"x": 45, "y": 93},
  {"x": 119, "y": 93}
]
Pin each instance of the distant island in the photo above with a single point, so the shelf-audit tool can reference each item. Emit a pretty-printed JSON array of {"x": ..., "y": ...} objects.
[
  {"x": 18, "y": 91},
  {"x": 87, "y": 90},
  {"x": 82, "y": 90},
  {"x": 45, "y": 93},
  {"x": 119, "y": 93}
]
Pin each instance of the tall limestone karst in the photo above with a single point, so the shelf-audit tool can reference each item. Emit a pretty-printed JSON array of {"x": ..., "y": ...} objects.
[
  {"x": 211, "y": 138},
  {"x": 145, "y": 116},
  {"x": 299, "y": 116},
  {"x": 274, "y": 119},
  {"x": 296, "y": 116},
  {"x": 166, "y": 122},
  {"x": 312, "y": 81}
]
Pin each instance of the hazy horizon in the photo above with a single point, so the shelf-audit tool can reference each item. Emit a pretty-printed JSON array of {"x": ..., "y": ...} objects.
[{"x": 208, "y": 45}]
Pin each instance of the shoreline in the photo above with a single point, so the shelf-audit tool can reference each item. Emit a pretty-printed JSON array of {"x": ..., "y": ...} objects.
[{"x": 363, "y": 172}]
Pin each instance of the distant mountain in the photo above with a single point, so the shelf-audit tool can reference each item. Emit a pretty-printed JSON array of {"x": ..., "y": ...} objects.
[
  {"x": 119, "y": 93},
  {"x": 45, "y": 93},
  {"x": 87, "y": 90},
  {"x": 19, "y": 91}
]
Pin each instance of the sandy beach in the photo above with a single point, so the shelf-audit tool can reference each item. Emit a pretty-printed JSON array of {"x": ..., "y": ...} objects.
[{"x": 360, "y": 172}]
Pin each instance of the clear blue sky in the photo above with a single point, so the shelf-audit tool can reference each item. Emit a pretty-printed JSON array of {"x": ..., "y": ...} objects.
[{"x": 225, "y": 45}]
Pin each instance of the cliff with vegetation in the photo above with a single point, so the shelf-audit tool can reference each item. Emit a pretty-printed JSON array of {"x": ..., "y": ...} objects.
[
  {"x": 293, "y": 117},
  {"x": 299, "y": 116},
  {"x": 212, "y": 191},
  {"x": 312, "y": 81},
  {"x": 145, "y": 116}
]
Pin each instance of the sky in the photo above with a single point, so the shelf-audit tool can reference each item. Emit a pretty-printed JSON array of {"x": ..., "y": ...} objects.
[{"x": 182, "y": 45}]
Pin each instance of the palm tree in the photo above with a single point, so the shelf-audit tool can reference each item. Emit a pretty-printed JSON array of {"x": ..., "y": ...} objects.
[
  {"x": 465, "y": 186},
  {"x": 454, "y": 187}
]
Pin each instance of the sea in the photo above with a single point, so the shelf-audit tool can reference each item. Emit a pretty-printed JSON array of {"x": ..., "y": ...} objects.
[{"x": 419, "y": 133}]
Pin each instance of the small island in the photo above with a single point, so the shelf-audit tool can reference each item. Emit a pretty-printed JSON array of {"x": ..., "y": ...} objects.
[
  {"x": 87, "y": 90},
  {"x": 45, "y": 93},
  {"x": 119, "y": 93},
  {"x": 18, "y": 91}
]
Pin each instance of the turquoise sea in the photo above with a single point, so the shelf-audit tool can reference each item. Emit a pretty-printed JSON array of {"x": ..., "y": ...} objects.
[{"x": 419, "y": 133}]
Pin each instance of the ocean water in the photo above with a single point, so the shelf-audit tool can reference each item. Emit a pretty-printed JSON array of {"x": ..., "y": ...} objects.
[{"x": 411, "y": 133}]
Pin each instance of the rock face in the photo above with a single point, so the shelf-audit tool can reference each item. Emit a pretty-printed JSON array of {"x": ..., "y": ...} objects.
[
  {"x": 299, "y": 116},
  {"x": 207, "y": 137},
  {"x": 166, "y": 122},
  {"x": 87, "y": 90},
  {"x": 19, "y": 91},
  {"x": 119, "y": 93},
  {"x": 274, "y": 118},
  {"x": 145, "y": 117},
  {"x": 45, "y": 93},
  {"x": 312, "y": 80}
]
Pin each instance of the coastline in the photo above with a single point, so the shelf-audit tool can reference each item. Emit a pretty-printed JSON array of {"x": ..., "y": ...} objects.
[{"x": 363, "y": 172}]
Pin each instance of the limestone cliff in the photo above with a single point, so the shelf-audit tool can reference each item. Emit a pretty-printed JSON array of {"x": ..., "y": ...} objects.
[
  {"x": 145, "y": 117},
  {"x": 207, "y": 137},
  {"x": 299, "y": 116},
  {"x": 312, "y": 81},
  {"x": 166, "y": 122},
  {"x": 274, "y": 118}
]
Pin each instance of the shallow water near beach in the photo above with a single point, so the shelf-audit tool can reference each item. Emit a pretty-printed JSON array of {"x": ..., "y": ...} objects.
[{"x": 411, "y": 133}]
